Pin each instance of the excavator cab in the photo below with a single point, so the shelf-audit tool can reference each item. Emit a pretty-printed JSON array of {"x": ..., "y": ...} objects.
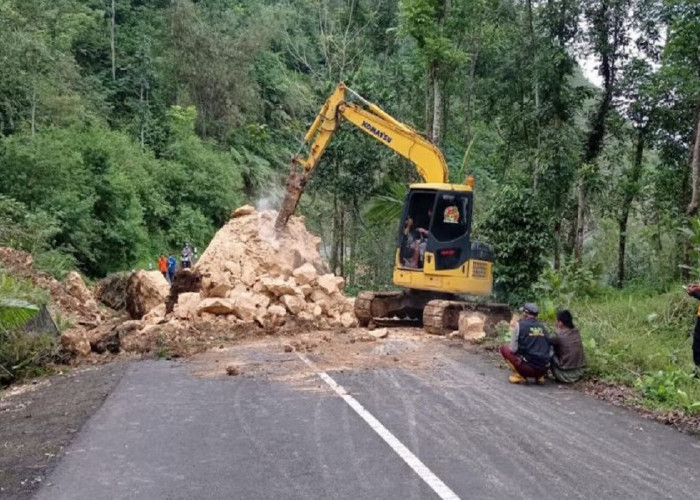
[{"x": 434, "y": 246}]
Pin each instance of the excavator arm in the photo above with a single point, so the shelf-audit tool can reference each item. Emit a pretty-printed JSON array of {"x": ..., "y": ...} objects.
[{"x": 371, "y": 119}]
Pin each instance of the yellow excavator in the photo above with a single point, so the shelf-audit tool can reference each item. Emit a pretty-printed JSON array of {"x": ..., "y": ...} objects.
[{"x": 436, "y": 261}]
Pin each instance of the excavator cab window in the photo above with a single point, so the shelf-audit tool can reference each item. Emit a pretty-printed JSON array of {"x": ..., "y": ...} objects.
[
  {"x": 414, "y": 227},
  {"x": 451, "y": 218}
]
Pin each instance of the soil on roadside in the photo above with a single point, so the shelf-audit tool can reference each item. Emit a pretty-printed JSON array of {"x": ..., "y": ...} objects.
[{"x": 39, "y": 419}]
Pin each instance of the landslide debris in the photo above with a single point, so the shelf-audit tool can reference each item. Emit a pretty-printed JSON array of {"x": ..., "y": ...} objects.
[
  {"x": 250, "y": 279},
  {"x": 250, "y": 273}
]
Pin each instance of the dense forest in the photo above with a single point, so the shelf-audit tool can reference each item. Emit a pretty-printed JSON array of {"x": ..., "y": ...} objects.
[{"x": 128, "y": 127}]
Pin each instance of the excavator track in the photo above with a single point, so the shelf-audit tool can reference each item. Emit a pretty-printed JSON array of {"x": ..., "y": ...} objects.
[
  {"x": 438, "y": 316},
  {"x": 441, "y": 317},
  {"x": 382, "y": 309}
]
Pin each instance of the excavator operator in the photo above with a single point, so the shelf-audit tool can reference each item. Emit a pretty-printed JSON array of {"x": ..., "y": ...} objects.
[{"x": 415, "y": 241}]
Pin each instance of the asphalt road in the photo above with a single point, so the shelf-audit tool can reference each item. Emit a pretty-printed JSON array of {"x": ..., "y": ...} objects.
[{"x": 164, "y": 433}]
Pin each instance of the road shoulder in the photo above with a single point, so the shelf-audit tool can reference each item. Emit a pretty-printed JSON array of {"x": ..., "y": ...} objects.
[{"x": 39, "y": 419}]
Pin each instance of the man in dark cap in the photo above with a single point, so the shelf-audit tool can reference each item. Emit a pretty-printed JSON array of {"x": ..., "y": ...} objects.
[{"x": 528, "y": 353}]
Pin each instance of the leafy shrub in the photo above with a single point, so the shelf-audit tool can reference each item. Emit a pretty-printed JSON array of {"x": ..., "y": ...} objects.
[
  {"x": 55, "y": 262},
  {"x": 571, "y": 281},
  {"x": 517, "y": 226},
  {"x": 664, "y": 387}
]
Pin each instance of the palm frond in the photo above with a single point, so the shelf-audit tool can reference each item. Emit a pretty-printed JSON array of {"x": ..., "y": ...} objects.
[
  {"x": 387, "y": 204},
  {"x": 16, "y": 313}
]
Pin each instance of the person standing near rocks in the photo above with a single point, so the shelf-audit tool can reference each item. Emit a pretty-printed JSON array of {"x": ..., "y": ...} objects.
[
  {"x": 172, "y": 265},
  {"x": 186, "y": 257},
  {"x": 569, "y": 361},
  {"x": 529, "y": 350},
  {"x": 163, "y": 266}
]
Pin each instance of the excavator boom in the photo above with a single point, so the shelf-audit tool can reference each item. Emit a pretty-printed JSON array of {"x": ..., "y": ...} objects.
[{"x": 372, "y": 120}]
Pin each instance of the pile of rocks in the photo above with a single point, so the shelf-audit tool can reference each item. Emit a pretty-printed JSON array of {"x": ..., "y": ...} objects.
[{"x": 249, "y": 276}]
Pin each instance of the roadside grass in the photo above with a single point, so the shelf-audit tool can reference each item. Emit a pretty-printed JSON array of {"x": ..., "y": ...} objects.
[{"x": 643, "y": 342}]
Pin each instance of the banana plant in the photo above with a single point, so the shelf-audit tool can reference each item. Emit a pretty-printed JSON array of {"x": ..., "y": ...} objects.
[{"x": 14, "y": 313}]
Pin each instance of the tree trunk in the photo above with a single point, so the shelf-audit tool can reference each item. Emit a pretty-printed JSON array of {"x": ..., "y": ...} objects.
[
  {"x": 112, "y": 41},
  {"x": 594, "y": 146},
  {"x": 470, "y": 91},
  {"x": 342, "y": 241},
  {"x": 596, "y": 134},
  {"x": 437, "y": 108},
  {"x": 142, "y": 125},
  {"x": 621, "y": 246},
  {"x": 557, "y": 245},
  {"x": 34, "y": 109},
  {"x": 535, "y": 90},
  {"x": 334, "y": 247},
  {"x": 429, "y": 103},
  {"x": 632, "y": 189},
  {"x": 695, "y": 170},
  {"x": 580, "y": 210},
  {"x": 683, "y": 240}
]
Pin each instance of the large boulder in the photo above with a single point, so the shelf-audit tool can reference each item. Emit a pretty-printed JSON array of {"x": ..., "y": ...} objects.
[
  {"x": 186, "y": 307},
  {"x": 75, "y": 342},
  {"x": 305, "y": 274},
  {"x": 245, "y": 307},
  {"x": 348, "y": 320},
  {"x": 217, "y": 284},
  {"x": 76, "y": 287},
  {"x": 471, "y": 325},
  {"x": 248, "y": 275},
  {"x": 216, "y": 306},
  {"x": 105, "y": 338},
  {"x": 144, "y": 291},
  {"x": 241, "y": 211},
  {"x": 186, "y": 280},
  {"x": 277, "y": 286},
  {"x": 328, "y": 283},
  {"x": 131, "y": 339},
  {"x": 111, "y": 291},
  {"x": 276, "y": 316},
  {"x": 293, "y": 303},
  {"x": 322, "y": 299}
]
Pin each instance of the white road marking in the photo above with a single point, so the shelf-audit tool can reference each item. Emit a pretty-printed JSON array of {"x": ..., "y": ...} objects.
[{"x": 435, "y": 483}]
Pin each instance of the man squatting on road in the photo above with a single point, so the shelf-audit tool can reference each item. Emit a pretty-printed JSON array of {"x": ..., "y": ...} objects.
[{"x": 528, "y": 353}]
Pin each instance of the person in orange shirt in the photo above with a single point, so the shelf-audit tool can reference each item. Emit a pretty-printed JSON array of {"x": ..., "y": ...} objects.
[{"x": 163, "y": 266}]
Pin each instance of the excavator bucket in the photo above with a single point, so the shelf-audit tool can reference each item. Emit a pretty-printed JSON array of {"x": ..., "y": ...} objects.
[{"x": 293, "y": 190}]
